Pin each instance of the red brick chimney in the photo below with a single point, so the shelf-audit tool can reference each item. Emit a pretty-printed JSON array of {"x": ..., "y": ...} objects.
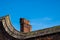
[{"x": 25, "y": 25}]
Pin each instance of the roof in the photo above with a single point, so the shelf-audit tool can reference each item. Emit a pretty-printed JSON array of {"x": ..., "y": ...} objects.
[
  {"x": 42, "y": 32},
  {"x": 21, "y": 35}
]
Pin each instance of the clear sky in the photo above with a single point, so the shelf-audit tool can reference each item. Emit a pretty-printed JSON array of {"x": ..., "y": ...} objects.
[{"x": 41, "y": 13}]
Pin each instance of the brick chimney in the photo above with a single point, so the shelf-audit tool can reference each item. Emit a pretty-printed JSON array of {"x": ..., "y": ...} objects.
[{"x": 25, "y": 25}]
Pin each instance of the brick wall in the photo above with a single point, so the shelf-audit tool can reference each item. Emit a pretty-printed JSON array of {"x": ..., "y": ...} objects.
[{"x": 25, "y": 25}]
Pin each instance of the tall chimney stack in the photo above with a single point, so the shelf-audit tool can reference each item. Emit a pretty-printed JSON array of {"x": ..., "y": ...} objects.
[{"x": 25, "y": 25}]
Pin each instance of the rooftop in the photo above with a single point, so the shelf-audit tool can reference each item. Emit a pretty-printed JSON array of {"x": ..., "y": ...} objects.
[{"x": 16, "y": 34}]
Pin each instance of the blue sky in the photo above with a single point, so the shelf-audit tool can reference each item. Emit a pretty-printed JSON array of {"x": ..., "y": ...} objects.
[{"x": 41, "y": 13}]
